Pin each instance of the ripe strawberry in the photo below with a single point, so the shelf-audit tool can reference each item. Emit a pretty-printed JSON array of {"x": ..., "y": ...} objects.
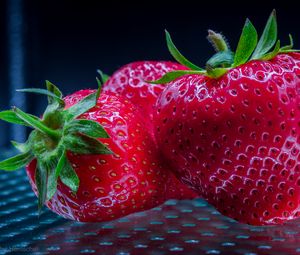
[
  {"x": 130, "y": 82},
  {"x": 92, "y": 159},
  {"x": 232, "y": 131}
]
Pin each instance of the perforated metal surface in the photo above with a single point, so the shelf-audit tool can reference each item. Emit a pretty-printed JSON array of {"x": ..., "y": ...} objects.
[{"x": 177, "y": 227}]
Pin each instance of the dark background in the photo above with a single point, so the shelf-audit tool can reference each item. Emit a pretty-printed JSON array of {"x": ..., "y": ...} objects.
[{"x": 66, "y": 41}]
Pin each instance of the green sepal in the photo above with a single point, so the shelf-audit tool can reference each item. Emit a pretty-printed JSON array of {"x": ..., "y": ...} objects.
[
  {"x": 173, "y": 75},
  {"x": 41, "y": 178},
  {"x": 36, "y": 123},
  {"x": 99, "y": 83},
  {"x": 87, "y": 127},
  {"x": 68, "y": 175},
  {"x": 55, "y": 90},
  {"x": 44, "y": 92},
  {"x": 56, "y": 103},
  {"x": 11, "y": 117},
  {"x": 51, "y": 183},
  {"x": 216, "y": 72},
  {"x": 82, "y": 144},
  {"x": 53, "y": 174},
  {"x": 98, "y": 92},
  {"x": 288, "y": 51},
  {"x": 273, "y": 53},
  {"x": 222, "y": 58},
  {"x": 53, "y": 117},
  {"x": 178, "y": 56},
  {"x": 22, "y": 147},
  {"x": 268, "y": 38},
  {"x": 104, "y": 77},
  {"x": 54, "y": 120},
  {"x": 57, "y": 167},
  {"x": 83, "y": 106},
  {"x": 246, "y": 45},
  {"x": 288, "y": 48},
  {"x": 220, "y": 63},
  {"x": 16, "y": 162}
]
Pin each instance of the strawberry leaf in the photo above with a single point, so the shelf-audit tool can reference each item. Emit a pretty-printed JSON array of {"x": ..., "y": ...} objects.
[
  {"x": 171, "y": 76},
  {"x": 84, "y": 145},
  {"x": 41, "y": 176},
  {"x": 53, "y": 175},
  {"x": 221, "y": 58},
  {"x": 99, "y": 83},
  {"x": 22, "y": 147},
  {"x": 246, "y": 45},
  {"x": 288, "y": 48},
  {"x": 53, "y": 89},
  {"x": 35, "y": 123},
  {"x": 44, "y": 92},
  {"x": 178, "y": 56},
  {"x": 83, "y": 106},
  {"x": 68, "y": 176},
  {"x": 104, "y": 77},
  {"x": 11, "y": 117},
  {"x": 86, "y": 127},
  {"x": 98, "y": 92},
  {"x": 268, "y": 38},
  {"x": 216, "y": 72},
  {"x": 16, "y": 162},
  {"x": 272, "y": 54}
]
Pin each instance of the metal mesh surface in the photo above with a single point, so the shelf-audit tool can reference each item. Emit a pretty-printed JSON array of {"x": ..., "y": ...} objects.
[{"x": 177, "y": 227}]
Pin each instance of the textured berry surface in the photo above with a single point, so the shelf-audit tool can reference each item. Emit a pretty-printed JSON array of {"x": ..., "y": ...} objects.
[
  {"x": 236, "y": 139},
  {"x": 132, "y": 179},
  {"x": 130, "y": 82}
]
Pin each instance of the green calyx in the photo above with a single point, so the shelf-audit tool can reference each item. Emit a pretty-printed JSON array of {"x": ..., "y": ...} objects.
[
  {"x": 248, "y": 48},
  {"x": 58, "y": 132}
]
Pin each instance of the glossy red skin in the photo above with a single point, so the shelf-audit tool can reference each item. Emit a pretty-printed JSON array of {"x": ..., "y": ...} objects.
[
  {"x": 236, "y": 139},
  {"x": 130, "y": 81},
  {"x": 111, "y": 186}
]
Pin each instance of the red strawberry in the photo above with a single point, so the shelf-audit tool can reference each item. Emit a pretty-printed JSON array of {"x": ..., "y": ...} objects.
[
  {"x": 94, "y": 159},
  {"x": 232, "y": 131},
  {"x": 130, "y": 82}
]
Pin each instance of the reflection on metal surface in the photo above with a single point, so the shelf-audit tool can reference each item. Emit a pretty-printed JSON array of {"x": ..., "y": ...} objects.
[{"x": 177, "y": 227}]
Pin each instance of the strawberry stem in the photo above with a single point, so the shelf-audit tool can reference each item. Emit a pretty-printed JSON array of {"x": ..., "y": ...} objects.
[{"x": 218, "y": 41}]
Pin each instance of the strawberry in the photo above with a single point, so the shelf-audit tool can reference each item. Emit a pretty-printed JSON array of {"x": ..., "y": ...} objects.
[
  {"x": 232, "y": 131},
  {"x": 90, "y": 158},
  {"x": 130, "y": 82}
]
